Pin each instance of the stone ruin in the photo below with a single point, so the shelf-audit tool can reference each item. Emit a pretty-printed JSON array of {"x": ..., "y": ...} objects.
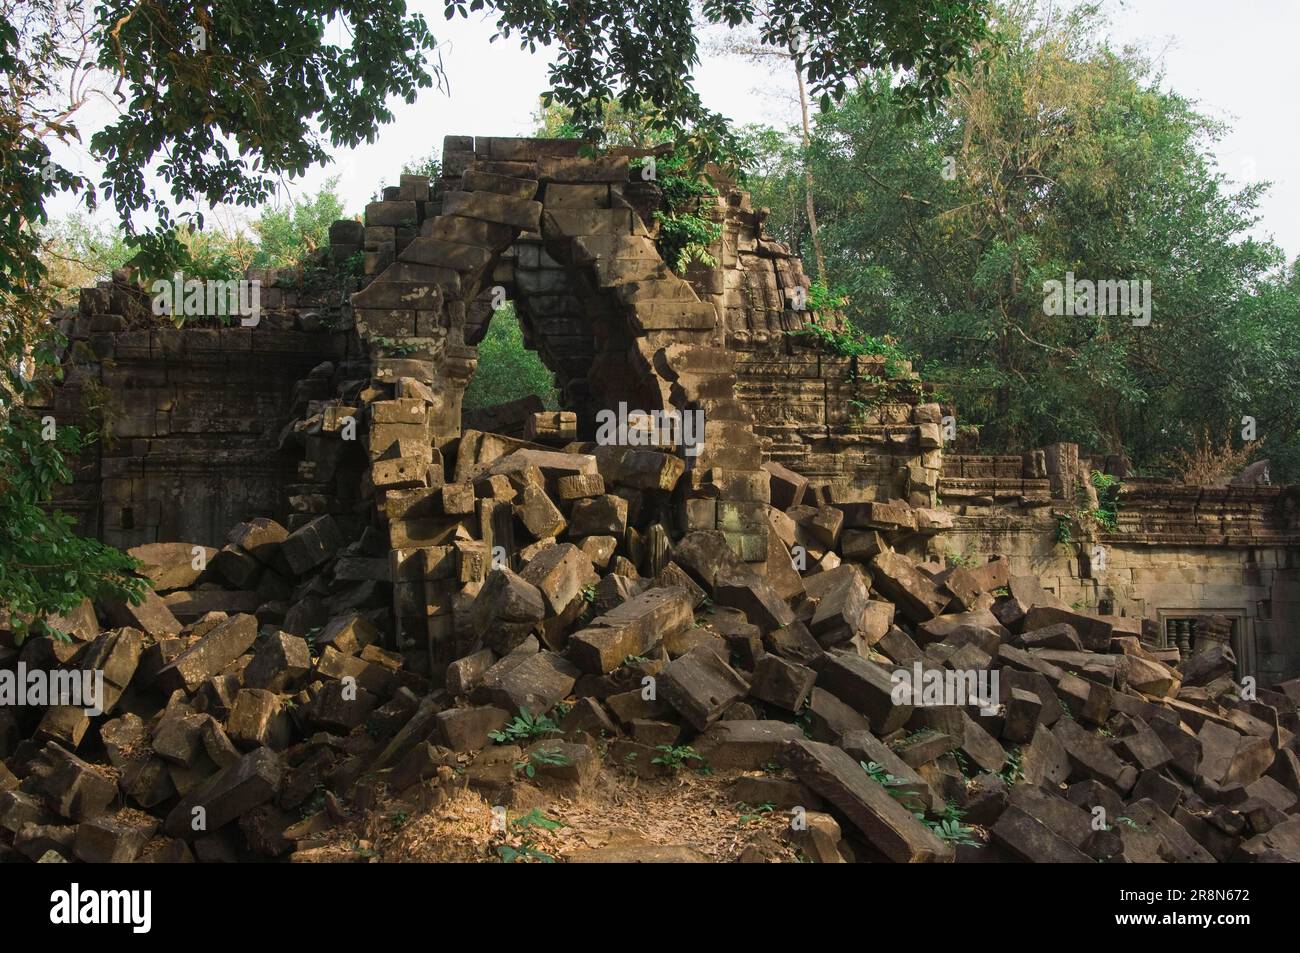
[{"x": 463, "y": 569}]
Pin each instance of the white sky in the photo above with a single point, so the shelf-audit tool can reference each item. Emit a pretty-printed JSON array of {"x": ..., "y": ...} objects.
[{"x": 1236, "y": 59}]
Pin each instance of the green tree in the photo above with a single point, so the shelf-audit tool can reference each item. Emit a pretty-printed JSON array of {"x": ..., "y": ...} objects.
[
  {"x": 1056, "y": 154},
  {"x": 507, "y": 370},
  {"x": 286, "y": 235}
]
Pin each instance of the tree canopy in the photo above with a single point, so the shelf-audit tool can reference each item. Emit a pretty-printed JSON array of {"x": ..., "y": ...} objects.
[{"x": 1055, "y": 155}]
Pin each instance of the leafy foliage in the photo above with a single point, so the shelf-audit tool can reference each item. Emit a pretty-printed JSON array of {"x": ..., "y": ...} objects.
[
  {"x": 685, "y": 230},
  {"x": 544, "y": 757},
  {"x": 1054, "y": 153},
  {"x": 674, "y": 757},
  {"x": 525, "y": 727},
  {"x": 44, "y": 566},
  {"x": 507, "y": 370}
]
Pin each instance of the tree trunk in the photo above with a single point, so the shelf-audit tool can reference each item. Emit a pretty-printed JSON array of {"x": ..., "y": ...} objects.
[{"x": 808, "y": 178}]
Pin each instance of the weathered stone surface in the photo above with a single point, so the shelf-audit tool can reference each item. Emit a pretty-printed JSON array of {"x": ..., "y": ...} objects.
[
  {"x": 536, "y": 682},
  {"x": 886, "y": 824},
  {"x": 211, "y": 653},
  {"x": 73, "y": 788},
  {"x": 631, "y": 629},
  {"x": 744, "y": 745},
  {"x": 172, "y": 565},
  {"x": 784, "y": 684},
  {"x": 843, "y": 602},
  {"x": 540, "y": 516},
  {"x": 260, "y": 537},
  {"x": 306, "y": 548},
  {"x": 762, "y": 605},
  {"x": 561, "y": 573},
  {"x": 234, "y": 791},
  {"x": 466, "y": 729},
  {"x": 863, "y": 686},
  {"x": 701, "y": 686},
  {"x": 1093, "y": 632},
  {"x": 151, "y": 616},
  {"x": 506, "y": 610},
  {"x": 916, "y": 596}
]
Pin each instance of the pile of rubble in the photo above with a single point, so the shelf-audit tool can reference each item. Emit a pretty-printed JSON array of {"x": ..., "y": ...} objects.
[{"x": 257, "y": 700}]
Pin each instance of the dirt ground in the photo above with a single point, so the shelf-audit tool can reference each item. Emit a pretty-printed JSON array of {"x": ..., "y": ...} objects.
[{"x": 618, "y": 817}]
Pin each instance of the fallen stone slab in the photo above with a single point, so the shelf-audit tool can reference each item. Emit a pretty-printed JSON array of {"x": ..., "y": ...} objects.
[
  {"x": 631, "y": 629},
  {"x": 1028, "y": 839},
  {"x": 1093, "y": 632},
  {"x": 561, "y": 573},
  {"x": 251, "y": 781},
  {"x": 73, "y": 788},
  {"x": 865, "y": 687},
  {"x": 915, "y": 595},
  {"x": 744, "y": 745},
  {"x": 193, "y": 605},
  {"x": 865, "y": 748},
  {"x": 467, "y": 729},
  {"x": 705, "y": 554},
  {"x": 113, "y": 839},
  {"x": 886, "y": 824},
  {"x": 152, "y": 616},
  {"x": 843, "y": 599},
  {"x": 782, "y": 683},
  {"x": 312, "y": 544},
  {"x": 1091, "y": 758},
  {"x": 701, "y": 686},
  {"x": 762, "y": 605},
  {"x": 172, "y": 565},
  {"x": 535, "y": 683},
  {"x": 260, "y": 537},
  {"x": 230, "y": 639},
  {"x": 506, "y": 610}
]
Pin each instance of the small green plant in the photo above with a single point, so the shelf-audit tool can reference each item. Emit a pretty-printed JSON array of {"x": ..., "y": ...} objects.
[
  {"x": 956, "y": 560},
  {"x": 684, "y": 234},
  {"x": 535, "y": 818},
  {"x": 767, "y": 807},
  {"x": 952, "y": 832},
  {"x": 1064, "y": 527},
  {"x": 398, "y": 819},
  {"x": 674, "y": 757},
  {"x": 542, "y": 757},
  {"x": 823, "y": 298},
  {"x": 522, "y": 854},
  {"x": 315, "y": 802},
  {"x": 354, "y": 265},
  {"x": 891, "y": 783},
  {"x": 1012, "y": 771},
  {"x": 525, "y": 727}
]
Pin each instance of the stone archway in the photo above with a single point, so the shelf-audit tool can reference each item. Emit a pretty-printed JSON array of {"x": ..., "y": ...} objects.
[{"x": 608, "y": 316}]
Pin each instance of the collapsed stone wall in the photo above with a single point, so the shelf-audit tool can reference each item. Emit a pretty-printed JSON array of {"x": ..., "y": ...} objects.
[
  {"x": 213, "y": 425},
  {"x": 1177, "y": 553},
  {"x": 189, "y": 420}
]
